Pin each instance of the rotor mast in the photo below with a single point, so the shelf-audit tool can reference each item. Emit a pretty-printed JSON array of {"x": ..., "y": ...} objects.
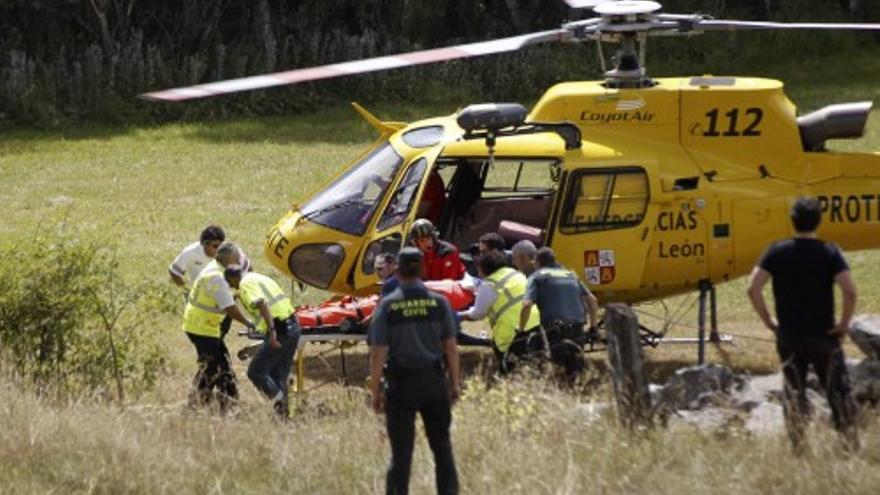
[{"x": 627, "y": 23}]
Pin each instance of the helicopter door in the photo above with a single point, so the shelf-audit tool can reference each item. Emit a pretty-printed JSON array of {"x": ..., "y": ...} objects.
[
  {"x": 603, "y": 226},
  {"x": 389, "y": 230},
  {"x": 757, "y": 222},
  {"x": 680, "y": 255}
]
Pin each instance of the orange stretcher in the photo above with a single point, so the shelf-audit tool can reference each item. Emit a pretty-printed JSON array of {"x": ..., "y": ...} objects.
[
  {"x": 343, "y": 321},
  {"x": 347, "y": 314}
]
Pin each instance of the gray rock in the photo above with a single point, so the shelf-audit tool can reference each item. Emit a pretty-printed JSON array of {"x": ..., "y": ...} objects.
[
  {"x": 765, "y": 418},
  {"x": 696, "y": 387},
  {"x": 756, "y": 390},
  {"x": 864, "y": 379},
  {"x": 865, "y": 332},
  {"x": 656, "y": 391},
  {"x": 709, "y": 419}
]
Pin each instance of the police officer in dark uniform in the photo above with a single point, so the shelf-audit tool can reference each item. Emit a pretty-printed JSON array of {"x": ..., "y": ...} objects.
[
  {"x": 564, "y": 302},
  {"x": 412, "y": 336}
]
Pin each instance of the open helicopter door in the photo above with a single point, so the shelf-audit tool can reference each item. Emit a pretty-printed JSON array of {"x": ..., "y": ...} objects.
[
  {"x": 604, "y": 224},
  {"x": 400, "y": 208}
]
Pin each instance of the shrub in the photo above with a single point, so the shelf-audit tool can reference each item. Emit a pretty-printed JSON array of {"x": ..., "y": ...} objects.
[{"x": 70, "y": 323}]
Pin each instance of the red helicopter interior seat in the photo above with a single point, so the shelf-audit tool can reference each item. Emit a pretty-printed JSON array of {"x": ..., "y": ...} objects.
[{"x": 513, "y": 232}]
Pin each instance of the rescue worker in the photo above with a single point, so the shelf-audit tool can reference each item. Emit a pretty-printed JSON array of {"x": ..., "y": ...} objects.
[
  {"x": 412, "y": 336},
  {"x": 272, "y": 313},
  {"x": 804, "y": 271},
  {"x": 386, "y": 265},
  {"x": 196, "y": 256},
  {"x": 500, "y": 298},
  {"x": 441, "y": 258},
  {"x": 564, "y": 302},
  {"x": 523, "y": 256},
  {"x": 491, "y": 241},
  {"x": 210, "y": 300}
]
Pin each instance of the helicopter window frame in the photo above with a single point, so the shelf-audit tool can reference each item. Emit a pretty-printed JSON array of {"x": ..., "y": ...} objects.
[
  {"x": 568, "y": 224},
  {"x": 349, "y": 202},
  {"x": 391, "y": 243},
  {"x": 403, "y": 197},
  {"x": 423, "y": 137},
  {"x": 520, "y": 163}
]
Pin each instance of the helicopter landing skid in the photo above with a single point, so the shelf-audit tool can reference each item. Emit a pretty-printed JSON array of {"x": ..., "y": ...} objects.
[
  {"x": 648, "y": 338},
  {"x": 652, "y": 338}
]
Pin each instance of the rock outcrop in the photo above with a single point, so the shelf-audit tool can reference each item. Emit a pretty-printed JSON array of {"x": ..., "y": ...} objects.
[
  {"x": 696, "y": 387},
  {"x": 865, "y": 332},
  {"x": 864, "y": 378}
]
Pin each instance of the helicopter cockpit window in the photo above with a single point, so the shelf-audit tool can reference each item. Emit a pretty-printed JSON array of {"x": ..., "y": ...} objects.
[
  {"x": 604, "y": 200},
  {"x": 402, "y": 200},
  {"x": 350, "y": 201},
  {"x": 423, "y": 136}
]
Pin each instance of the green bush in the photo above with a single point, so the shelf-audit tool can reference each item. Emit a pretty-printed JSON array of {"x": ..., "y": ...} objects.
[{"x": 70, "y": 323}]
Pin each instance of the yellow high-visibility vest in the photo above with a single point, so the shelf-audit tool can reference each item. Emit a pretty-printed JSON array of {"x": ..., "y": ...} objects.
[
  {"x": 254, "y": 288},
  {"x": 510, "y": 285},
  {"x": 202, "y": 315}
]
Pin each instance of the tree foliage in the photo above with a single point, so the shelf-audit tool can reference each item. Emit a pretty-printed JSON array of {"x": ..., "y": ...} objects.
[{"x": 90, "y": 58}]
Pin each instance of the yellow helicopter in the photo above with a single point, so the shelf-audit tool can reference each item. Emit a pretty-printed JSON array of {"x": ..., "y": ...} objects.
[{"x": 646, "y": 187}]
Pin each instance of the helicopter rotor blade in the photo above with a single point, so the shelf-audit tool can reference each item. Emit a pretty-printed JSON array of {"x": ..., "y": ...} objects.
[
  {"x": 702, "y": 23},
  {"x": 585, "y": 4},
  {"x": 359, "y": 66}
]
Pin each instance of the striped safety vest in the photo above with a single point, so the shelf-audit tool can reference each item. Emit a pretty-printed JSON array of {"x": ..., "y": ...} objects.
[
  {"x": 510, "y": 285},
  {"x": 202, "y": 315},
  {"x": 254, "y": 288}
]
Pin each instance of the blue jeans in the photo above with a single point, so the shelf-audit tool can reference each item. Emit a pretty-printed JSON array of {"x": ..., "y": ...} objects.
[{"x": 270, "y": 368}]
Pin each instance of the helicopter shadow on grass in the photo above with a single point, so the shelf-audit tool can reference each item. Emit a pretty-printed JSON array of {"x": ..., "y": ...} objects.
[{"x": 326, "y": 366}]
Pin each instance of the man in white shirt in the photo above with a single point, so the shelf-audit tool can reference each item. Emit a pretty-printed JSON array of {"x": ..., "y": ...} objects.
[{"x": 195, "y": 257}]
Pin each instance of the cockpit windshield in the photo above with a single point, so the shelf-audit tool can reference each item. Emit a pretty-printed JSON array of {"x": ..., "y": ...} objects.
[{"x": 350, "y": 201}]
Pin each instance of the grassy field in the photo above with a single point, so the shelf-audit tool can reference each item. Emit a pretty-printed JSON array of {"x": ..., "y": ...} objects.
[{"x": 151, "y": 190}]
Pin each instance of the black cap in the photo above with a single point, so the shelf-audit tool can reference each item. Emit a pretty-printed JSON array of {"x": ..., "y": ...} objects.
[{"x": 409, "y": 256}]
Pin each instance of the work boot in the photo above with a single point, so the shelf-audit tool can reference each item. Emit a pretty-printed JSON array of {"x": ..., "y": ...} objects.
[
  {"x": 281, "y": 410},
  {"x": 248, "y": 352},
  {"x": 279, "y": 404}
]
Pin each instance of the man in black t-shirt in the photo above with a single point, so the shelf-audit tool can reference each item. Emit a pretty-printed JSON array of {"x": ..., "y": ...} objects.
[{"x": 804, "y": 270}]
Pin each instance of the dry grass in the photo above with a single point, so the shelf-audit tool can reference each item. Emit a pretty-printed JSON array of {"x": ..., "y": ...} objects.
[{"x": 522, "y": 436}]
